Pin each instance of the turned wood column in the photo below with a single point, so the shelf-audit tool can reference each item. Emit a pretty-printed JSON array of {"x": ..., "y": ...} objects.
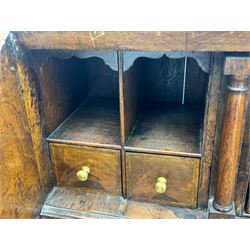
[{"x": 238, "y": 69}]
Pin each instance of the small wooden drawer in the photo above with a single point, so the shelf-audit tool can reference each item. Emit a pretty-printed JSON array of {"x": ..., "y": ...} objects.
[
  {"x": 104, "y": 165},
  {"x": 181, "y": 173}
]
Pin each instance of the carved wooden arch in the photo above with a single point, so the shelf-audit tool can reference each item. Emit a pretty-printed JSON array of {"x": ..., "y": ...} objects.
[
  {"x": 37, "y": 58},
  {"x": 110, "y": 57},
  {"x": 40, "y": 57},
  {"x": 202, "y": 58}
]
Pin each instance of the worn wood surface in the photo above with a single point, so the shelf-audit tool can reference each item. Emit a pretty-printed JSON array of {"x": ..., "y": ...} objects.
[
  {"x": 168, "y": 128},
  {"x": 209, "y": 126},
  {"x": 196, "y": 84},
  {"x": 104, "y": 40},
  {"x": 158, "y": 41},
  {"x": 122, "y": 122},
  {"x": 244, "y": 168},
  {"x": 220, "y": 216},
  {"x": 237, "y": 66},
  {"x": 65, "y": 83},
  {"x": 232, "y": 133},
  {"x": 229, "y": 150},
  {"x": 181, "y": 173},
  {"x": 218, "y": 41},
  {"x": 102, "y": 81},
  {"x": 89, "y": 205},
  {"x": 104, "y": 164},
  {"x": 21, "y": 189},
  {"x": 132, "y": 95},
  {"x": 95, "y": 123},
  {"x": 31, "y": 96},
  {"x": 61, "y": 88},
  {"x": 163, "y": 79}
]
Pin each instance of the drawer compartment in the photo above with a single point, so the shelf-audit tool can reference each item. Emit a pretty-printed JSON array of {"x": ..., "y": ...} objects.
[
  {"x": 104, "y": 165},
  {"x": 181, "y": 173}
]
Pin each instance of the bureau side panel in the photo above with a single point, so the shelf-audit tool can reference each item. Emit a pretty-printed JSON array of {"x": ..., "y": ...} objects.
[{"x": 21, "y": 194}]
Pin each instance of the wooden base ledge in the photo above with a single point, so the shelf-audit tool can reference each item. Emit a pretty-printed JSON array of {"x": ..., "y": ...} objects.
[{"x": 67, "y": 203}]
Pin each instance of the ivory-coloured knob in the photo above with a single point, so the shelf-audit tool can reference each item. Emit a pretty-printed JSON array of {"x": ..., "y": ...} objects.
[
  {"x": 83, "y": 174},
  {"x": 161, "y": 185}
]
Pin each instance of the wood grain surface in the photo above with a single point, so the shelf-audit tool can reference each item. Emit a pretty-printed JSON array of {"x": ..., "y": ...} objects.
[
  {"x": 158, "y": 41},
  {"x": 209, "y": 126},
  {"x": 241, "y": 200},
  {"x": 95, "y": 123},
  {"x": 169, "y": 128},
  {"x": 232, "y": 131},
  {"x": 21, "y": 190},
  {"x": 104, "y": 164},
  {"x": 61, "y": 87},
  {"x": 89, "y": 205},
  {"x": 218, "y": 41},
  {"x": 104, "y": 40},
  {"x": 163, "y": 79},
  {"x": 181, "y": 173}
]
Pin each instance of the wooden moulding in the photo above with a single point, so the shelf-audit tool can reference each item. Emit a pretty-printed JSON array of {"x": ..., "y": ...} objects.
[
  {"x": 232, "y": 132},
  {"x": 218, "y": 41},
  {"x": 89, "y": 205},
  {"x": 202, "y": 58},
  {"x": 157, "y": 41},
  {"x": 147, "y": 41}
]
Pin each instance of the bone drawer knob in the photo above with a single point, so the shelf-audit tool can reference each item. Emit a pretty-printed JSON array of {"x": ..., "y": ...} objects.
[
  {"x": 83, "y": 174},
  {"x": 161, "y": 185}
]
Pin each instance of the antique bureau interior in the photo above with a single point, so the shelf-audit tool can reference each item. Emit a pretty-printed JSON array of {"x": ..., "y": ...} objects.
[{"x": 156, "y": 109}]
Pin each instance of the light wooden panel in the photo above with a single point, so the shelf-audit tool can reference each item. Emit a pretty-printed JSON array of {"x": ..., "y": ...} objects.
[
  {"x": 181, "y": 174},
  {"x": 88, "y": 205},
  {"x": 104, "y": 164},
  {"x": 21, "y": 190},
  {"x": 104, "y": 40}
]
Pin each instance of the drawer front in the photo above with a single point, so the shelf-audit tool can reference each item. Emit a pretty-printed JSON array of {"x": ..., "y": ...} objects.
[
  {"x": 104, "y": 165},
  {"x": 181, "y": 173}
]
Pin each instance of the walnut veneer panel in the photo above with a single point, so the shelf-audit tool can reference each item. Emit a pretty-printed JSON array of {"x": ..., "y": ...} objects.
[
  {"x": 181, "y": 173},
  {"x": 104, "y": 167}
]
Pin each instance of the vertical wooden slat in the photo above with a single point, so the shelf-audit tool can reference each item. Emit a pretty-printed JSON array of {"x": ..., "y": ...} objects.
[
  {"x": 122, "y": 123},
  {"x": 210, "y": 121}
]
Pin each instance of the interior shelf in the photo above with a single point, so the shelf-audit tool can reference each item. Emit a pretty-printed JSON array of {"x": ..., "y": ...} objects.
[
  {"x": 160, "y": 104},
  {"x": 173, "y": 128},
  {"x": 164, "y": 103},
  {"x": 95, "y": 122}
]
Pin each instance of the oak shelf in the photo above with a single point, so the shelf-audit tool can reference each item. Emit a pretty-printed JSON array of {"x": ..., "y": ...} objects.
[
  {"x": 96, "y": 122},
  {"x": 168, "y": 128}
]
